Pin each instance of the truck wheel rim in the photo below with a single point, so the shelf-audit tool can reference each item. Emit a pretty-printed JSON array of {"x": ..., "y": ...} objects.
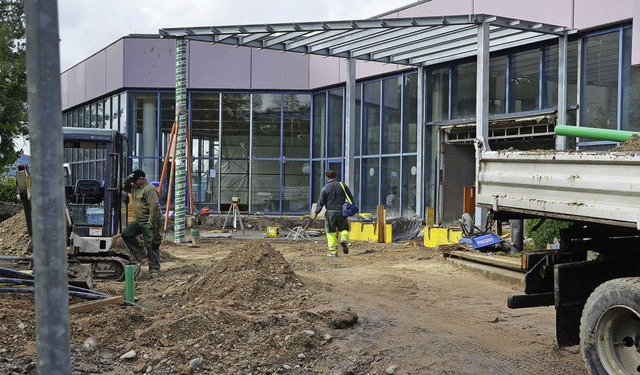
[{"x": 618, "y": 340}]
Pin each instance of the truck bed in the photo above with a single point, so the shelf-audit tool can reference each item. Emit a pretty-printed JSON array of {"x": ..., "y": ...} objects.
[{"x": 602, "y": 187}]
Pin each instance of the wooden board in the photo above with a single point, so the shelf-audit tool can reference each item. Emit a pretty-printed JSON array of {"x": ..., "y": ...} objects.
[{"x": 92, "y": 305}]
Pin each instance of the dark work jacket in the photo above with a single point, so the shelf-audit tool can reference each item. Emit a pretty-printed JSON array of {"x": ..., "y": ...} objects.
[{"x": 332, "y": 196}]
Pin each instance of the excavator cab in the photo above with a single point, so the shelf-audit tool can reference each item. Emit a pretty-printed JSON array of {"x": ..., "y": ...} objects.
[{"x": 98, "y": 162}]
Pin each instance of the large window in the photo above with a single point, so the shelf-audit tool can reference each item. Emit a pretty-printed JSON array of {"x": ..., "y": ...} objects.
[
  {"x": 463, "y": 97},
  {"x": 631, "y": 88},
  {"x": 371, "y": 119},
  {"x": 600, "y": 100},
  {"x": 266, "y": 125},
  {"x": 205, "y": 146},
  {"x": 319, "y": 125},
  {"x": 498, "y": 85},
  {"x": 391, "y": 114},
  {"x": 610, "y": 95},
  {"x": 234, "y": 166},
  {"x": 438, "y": 95},
  {"x": 334, "y": 145},
  {"x": 524, "y": 81},
  {"x": 297, "y": 125},
  {"x": 410, "y": 113}
]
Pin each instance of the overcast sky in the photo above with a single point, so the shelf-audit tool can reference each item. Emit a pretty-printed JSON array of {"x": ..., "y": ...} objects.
[{"x": 87, "y": 26}]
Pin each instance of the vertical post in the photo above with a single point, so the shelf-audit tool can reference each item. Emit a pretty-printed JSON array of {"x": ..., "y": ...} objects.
[
  {"x": 561, "y": 140},
  {"x": 181, "y": 144},
  {"x": 350, "y": 126},
  {"x": 130, "y": 283},
  {"x": 482, "y": 104},
  {"x": 47, "y": 183},
  {"x": 420, "y": 134},
  {"x": 482, "y": 85}
]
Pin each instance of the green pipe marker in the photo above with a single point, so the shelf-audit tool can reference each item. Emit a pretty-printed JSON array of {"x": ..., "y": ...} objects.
[
  {"x": 595, "y": 133},
  {"x": 129, "y": 282}
]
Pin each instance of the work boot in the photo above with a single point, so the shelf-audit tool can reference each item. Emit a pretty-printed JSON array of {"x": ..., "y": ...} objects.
[
  {"x": 345, "y": 247},
  {"x": 154, "y": 273},
  {"x": 332, "y": 255}
]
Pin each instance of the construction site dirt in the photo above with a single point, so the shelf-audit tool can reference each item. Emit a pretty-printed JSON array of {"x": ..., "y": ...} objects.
[{"x": 276, "y": 306}]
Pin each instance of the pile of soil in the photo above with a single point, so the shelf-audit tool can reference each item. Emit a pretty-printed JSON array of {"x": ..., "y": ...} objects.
[
  {"x": 14, "y": 236},
  {"x": 253, "y": 274},
  {"x": 8, "y": 209},
  {"x": 632, "y": 144},
  {"x": 246, "y": 313}
]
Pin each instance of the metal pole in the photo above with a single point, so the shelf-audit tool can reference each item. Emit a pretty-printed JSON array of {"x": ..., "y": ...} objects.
[
  {"x": 47, "y": 188},
  {"x": 561, "y": 141},
  {"x": 482, "y": 106},
  {"x": 420, "y": 147},
  {"x": 181, "y": 145},
  {"x": 350, "y": 126}
]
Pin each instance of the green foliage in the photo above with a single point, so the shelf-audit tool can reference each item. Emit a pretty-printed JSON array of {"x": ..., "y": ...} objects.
[
  {"x": 8, "y": 190},
  {"x": 13, "y": 78},
  {"x": 545, "y": 233}
]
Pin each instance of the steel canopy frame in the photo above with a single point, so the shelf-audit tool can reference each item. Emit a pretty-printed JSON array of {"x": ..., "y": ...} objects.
[{"x": 416, "y": 41}]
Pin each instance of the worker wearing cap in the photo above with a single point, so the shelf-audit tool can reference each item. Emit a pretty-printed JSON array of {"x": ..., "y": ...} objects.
[{"x": 147, "y": 220}]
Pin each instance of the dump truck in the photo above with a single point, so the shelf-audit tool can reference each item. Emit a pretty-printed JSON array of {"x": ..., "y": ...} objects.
[{"x": 593, "y": 278}]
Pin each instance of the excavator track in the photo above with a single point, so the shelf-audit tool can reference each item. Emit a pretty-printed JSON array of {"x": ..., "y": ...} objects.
[{"x": 104, "y": 267}]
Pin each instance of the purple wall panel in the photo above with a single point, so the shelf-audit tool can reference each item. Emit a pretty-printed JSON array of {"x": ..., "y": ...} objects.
[
  {"x": 279, "y": 71},
  {"x": 76, "y": 79},
  {"x": 371, "y": 68},
  {"x": 591, "y": 13},
  {"x": 64, "y": 88},
  {"x": 95, "y": 70},
  {"x": 150, "y": 63},
  {"x": 437, "y": 8},
  {"x": 324, "y": 71},
  {"x": 555, "y": 12},
  {"x": 219, "y": 66},
  {"x": 115, "y": 66}
]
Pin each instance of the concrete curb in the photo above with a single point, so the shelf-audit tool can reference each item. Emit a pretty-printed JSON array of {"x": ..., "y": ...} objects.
[{"x": 493, "y": 273}]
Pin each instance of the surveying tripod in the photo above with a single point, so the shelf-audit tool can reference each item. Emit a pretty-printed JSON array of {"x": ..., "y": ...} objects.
[{"x": 235, "y": 212}]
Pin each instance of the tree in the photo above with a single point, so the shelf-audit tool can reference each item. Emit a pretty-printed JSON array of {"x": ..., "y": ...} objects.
[{"x": 13, "y": 80}]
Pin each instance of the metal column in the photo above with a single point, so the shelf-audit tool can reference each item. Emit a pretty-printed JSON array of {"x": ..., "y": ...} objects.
[
  {"x": 350, "y": 126},
  {"x": 561, "y": 140},
  {"x": 181, "y": 144},
  {"x": 482, "y": 103},
  {"x": 47, "y": 188},
  {"x": 420, "y": 175}
]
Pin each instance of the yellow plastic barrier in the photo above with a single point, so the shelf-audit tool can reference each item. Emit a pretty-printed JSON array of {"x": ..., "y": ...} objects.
[
  {"x": 366, "y": 231},
  {"x": 441, "y": 236}
]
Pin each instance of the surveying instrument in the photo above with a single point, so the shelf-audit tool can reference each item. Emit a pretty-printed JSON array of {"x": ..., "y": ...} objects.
[{"x": 234, "y": 212}]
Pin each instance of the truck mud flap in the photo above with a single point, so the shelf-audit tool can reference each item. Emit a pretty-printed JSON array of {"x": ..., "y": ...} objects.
[
  {"x": 522, "y": 301},
  {"x": 574, "y": 282}
]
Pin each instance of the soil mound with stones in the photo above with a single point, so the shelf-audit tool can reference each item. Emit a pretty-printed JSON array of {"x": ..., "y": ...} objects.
[
  {"x": 14, "y": 237},
  {"x": 253, "y": 273},
  {"x": 632, "y": 144}
]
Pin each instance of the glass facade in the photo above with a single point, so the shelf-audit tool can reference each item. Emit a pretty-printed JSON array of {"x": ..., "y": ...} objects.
[
  {"x": 610, "y": 85},
  {"x": 271, "y": 149}
]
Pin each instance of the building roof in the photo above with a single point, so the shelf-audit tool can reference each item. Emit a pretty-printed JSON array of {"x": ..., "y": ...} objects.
[{"x": 415, "y": 41}]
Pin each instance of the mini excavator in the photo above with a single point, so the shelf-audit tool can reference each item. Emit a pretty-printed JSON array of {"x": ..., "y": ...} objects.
[{"x": 96, "y": 210}]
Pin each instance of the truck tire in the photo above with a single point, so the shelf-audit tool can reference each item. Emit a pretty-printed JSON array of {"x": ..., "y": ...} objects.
[{"x": 610, "y": 328}]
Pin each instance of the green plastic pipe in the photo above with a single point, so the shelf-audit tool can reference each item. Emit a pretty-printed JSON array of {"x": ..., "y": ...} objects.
[
  {"x": 129, "y": 282},
  {"x": 594, "y": 133}
]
